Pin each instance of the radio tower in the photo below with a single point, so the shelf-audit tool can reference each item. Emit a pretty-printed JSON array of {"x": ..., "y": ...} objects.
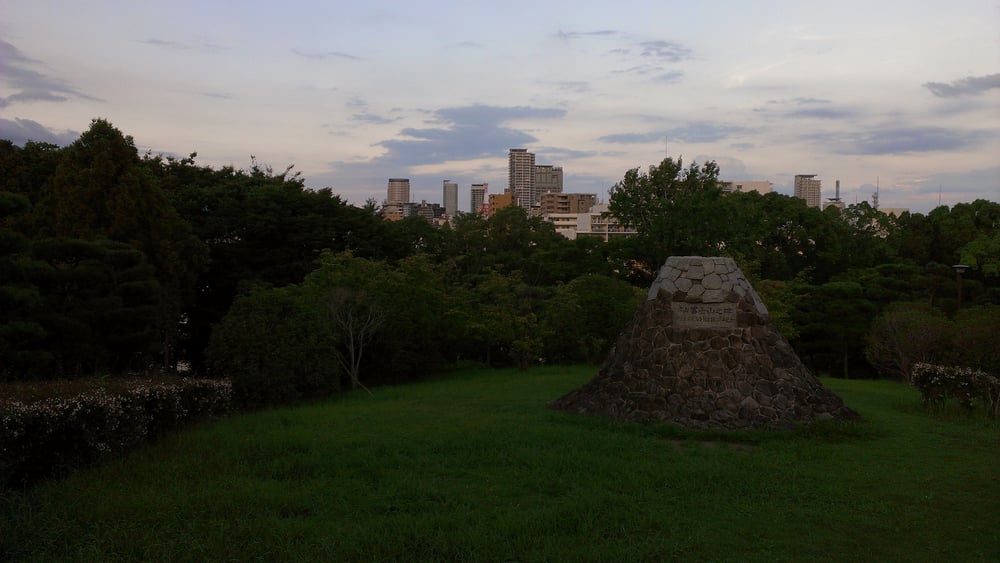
[{"x": 875, "y": 195}]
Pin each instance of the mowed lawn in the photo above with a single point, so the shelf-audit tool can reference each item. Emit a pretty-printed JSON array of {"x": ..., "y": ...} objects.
[{"x": 473, "y": 466}]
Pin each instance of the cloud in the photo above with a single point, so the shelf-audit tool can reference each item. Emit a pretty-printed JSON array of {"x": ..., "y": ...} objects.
[
  {"x": 695, "y": 132},
  {"x": 489, "y": 117},
  {"x": 558, "y": 154},
  {"x": 639, "y": 69},
  {"x": 672, "y": 77},
  {"x": 809, "y": 108},
  {"x": 322, "y": 56},
  {"x": 575, "y": 86},
  {"x": 800, "y": 101},
  {"x": 464, "y": 133},
  {"x": 821, "y": 113},
  {"x": 903, "y": 140},
  {"x": 631, "y": 138},
  {"x": 704, "y": 132},
  {"x": 372, "y": 118},
  {"x": 729, "y": 168},
  {"x": 34, "y": 96},
  {"x": 30, "y": 85},
  {"x": 20, "y": 131},
  {"x": 968, "y": 86},
  {"x": 985, "y": 182},
  {"x": 12, "y": 55},
  {"x": 578, "y": 34},
  {"x": 665, "y": 50},
  {"x": 203, "y": 46},
  {"x": 356, "y": 102}
]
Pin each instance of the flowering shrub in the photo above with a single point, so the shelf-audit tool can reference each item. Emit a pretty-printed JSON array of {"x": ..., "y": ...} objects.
[
  {"x": 50, "y": 435},
  {"x": 966, "y": 385}
]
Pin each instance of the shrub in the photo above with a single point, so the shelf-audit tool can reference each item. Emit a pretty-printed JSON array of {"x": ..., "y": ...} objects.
[
  {"x": 52, "y": 435},
  {"x": 966, "y": 385},
  {"x": 276, "y": 346},
  {"x": 974, "y": 340},
  {"x": 904, "y": 335}
]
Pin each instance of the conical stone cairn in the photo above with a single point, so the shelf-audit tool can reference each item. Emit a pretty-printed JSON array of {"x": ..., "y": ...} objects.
[{"x": 702, "y": 352}]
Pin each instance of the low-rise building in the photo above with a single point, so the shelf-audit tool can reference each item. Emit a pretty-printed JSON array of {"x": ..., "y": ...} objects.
[
  {"x": 759, "y": 186},
  {"x": 499, "y": 201},
  {"x": 561, "y": 203},
  {"x": 429, "y": 211},
  {"x": 596, "y": 222}
]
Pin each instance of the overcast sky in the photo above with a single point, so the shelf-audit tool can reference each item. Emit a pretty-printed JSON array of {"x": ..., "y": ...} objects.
[{"x": 903, "y": 93}]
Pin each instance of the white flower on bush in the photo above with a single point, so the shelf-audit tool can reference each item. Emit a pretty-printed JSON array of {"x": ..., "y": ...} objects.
[{"x": 103, "y": 422}]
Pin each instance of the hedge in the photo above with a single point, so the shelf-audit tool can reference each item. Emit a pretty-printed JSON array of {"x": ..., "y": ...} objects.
[
  {"x": 51, "y": 436},
  {"x": 968, "y": 386}
]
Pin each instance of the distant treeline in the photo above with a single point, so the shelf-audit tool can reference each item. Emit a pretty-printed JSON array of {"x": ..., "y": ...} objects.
[{"x": 115, "y": 262}]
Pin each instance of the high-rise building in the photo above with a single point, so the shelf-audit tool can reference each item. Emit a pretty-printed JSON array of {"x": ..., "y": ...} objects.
[
  {"x": 548, "y": 180},
  {"x": 521, "y": 177},
  {"x": 398, "y": 192},
  {"x": 449, "y": 197},
  {"x": 808, "y": 188},
  {"x": 477, "y": 197},
  {"x": 397, "y": 195}
]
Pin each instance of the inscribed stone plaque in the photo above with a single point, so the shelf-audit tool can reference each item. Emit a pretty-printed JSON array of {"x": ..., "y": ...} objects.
[{"x": 704, "y": 315}]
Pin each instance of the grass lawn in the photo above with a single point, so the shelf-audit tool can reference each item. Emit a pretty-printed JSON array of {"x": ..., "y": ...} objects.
[{"x": 474, "y": 467}]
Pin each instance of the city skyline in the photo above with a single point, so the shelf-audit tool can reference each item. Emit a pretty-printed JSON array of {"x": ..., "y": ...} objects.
[{"x": 351, "y": 95}]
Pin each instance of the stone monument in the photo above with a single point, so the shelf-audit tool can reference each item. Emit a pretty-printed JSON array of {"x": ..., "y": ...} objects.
[{"x": 702, "y": 352}]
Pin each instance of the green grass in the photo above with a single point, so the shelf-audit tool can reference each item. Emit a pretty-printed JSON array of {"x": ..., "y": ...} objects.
[{"x": 474, "y": 467}]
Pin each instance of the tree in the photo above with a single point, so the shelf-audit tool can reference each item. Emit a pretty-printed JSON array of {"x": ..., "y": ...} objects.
[
  {"x": 983, "y": 253},
  {"x": 101, "y": 190},
  {"x": 260, "y": 228},
  {"x": 973, "y": 343},
  {"x": 505, "y": 319},
  {"x": 904, "y": 335},
  {"x": 396, "y": 319},
  {"x": 671, "y": 208},
  {"x": 25, "y": 171},
  {"x": 357, "y": 320},
  {"x": 585, "y": 316},
  {"x": 276, "y": 346},
  {"x": 779, "y": 298},
  {"x": 832, "y": 320},
  {"x": 20, "y": 332},
  {"x": 78, "y": 307}
]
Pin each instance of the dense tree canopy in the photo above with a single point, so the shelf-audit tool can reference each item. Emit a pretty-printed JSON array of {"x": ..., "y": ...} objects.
[
  {"x": 115, "y": 261},
  {"x": 670, "y": 207}
]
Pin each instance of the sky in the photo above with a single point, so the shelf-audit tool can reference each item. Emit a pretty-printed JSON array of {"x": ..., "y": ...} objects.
[{"x": 902, "y": 95}]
